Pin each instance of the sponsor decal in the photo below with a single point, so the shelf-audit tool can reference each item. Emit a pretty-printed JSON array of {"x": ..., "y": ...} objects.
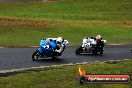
[{"x": 84, "y": 78}]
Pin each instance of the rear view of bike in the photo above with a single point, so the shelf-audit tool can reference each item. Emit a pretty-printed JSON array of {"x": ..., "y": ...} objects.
[{"x": 91, "y": 46}]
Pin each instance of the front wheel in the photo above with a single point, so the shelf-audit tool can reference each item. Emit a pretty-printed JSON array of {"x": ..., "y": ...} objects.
[
  {"x": 35, "y": 55},
  {"x": 79, "y": 50}
]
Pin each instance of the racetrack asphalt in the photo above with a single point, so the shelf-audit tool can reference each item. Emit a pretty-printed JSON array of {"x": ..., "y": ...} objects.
[{"x": 17, "y": 58}]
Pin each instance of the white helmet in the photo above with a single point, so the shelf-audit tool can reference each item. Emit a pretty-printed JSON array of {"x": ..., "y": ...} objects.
[{"x": 59, "y": 40}]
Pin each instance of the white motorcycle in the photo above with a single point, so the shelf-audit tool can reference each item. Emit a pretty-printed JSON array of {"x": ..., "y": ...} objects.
[{"x": 91, "y": 46}]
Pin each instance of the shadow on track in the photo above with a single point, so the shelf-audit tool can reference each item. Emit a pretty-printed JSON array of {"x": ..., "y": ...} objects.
[
  {"x": 88, "y": 54},
  {"x": 50, "y": 60}
]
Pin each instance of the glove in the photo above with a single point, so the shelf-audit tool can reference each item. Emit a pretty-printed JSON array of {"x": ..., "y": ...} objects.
[{"x": 46, "y": 46}]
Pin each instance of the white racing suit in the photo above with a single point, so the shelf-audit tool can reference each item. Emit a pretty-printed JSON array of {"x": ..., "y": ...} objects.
[{"x": 61, "y": 47}]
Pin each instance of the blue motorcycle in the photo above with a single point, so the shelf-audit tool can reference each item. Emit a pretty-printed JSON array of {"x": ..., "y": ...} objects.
[{"x": 47, "y": 49}]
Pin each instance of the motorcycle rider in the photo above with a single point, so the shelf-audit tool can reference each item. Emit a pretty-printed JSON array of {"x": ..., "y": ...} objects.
[
  {"x": 60, "y": 45},
  {"x": 99, "y": 42},
  {"x": 98, "y": 38}
]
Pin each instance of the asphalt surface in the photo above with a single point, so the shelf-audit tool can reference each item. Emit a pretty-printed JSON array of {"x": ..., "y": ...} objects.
[{"x": 16, "y": 58}]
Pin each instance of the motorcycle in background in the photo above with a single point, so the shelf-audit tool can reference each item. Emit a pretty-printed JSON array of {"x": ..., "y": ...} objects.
[{"x": 93, "y": 46}]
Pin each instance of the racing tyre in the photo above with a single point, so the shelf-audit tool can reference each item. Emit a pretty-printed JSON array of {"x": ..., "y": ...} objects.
[
  {"x": 101, "y": 52},
  {"x": 94, "y": 51},
  {"x": 79, "y": 50},
  {"x": 35, "y": 55}
]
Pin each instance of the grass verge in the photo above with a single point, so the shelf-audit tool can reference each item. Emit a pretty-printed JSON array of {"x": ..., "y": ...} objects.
[
  {"x": 70, "y": 9},
  {"x": 25, "y": 23},
  {"x": 28, "y": 32},
  {"x": 65, "y": 76}
]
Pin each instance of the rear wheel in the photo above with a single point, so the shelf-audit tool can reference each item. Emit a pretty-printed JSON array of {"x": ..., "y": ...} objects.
[
  {"x": 94, "y": 51},
  {"x": 35, "y": 55},
  {"x": 101, "y": 52},
  {"x": 100, "y": 49}
]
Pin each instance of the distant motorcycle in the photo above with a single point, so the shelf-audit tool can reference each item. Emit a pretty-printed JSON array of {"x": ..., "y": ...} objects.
[
  {"x": 47, "y": 49},
  {"x": 93, "y": 46}
]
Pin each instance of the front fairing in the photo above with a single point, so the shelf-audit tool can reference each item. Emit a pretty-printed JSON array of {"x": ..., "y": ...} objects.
[
  {"x": 41, "y": 49},
  {"x": 47, "y": 51},
  {"x": 42, "y": 43}
]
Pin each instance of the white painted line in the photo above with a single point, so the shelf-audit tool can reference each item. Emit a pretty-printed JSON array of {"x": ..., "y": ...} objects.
[
  {"x": 40, "y": 67},
  {"x": 23, "y": 69},
  {"x": 80, "y": 63},
  {"x": 96, "y": 61},
  {"x": 111, "y": 60},
  {"x": 104, "y": 61},
  {"x": 2, "y": 47},
  {"x": 116, "y": 44},
  {"x": 70, "y": 64},
  {"x": 118, "y": 60},
  {"x": 13, "y": 70},
  {"x": 85, "y": 62},
  {"x": 55, "y": 65},
  {"x": 91, "y": 62},
  {"x": 126, "y": 59}
]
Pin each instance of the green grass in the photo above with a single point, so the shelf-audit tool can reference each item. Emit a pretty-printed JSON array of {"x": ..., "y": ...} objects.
[
  {"x": 70, "y": 9},
  {"x": 25, "y": 23},
  {"x": 29, "y": 33},
  {"x": 65, "y": 76}
]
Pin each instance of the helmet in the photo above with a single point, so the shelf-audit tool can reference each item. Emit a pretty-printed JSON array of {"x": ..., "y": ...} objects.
[
  {"x": 59, "y": 40},
  {"x": 98, "y": 37}
]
